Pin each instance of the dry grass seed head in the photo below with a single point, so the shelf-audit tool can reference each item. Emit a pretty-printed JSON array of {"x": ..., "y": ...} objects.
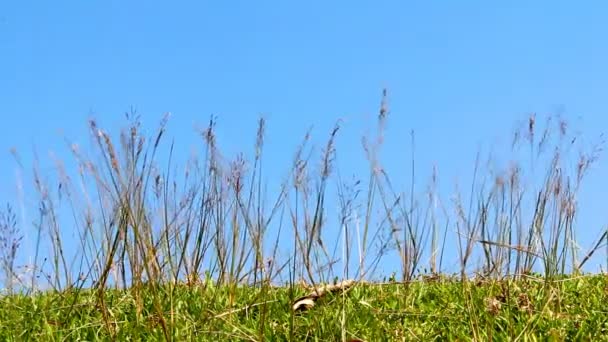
[
  {"x": 514, "y": 175},
  {"x": 382, "y": 115},
  {"x": 563, "y": 128},
  {"x": 523, "y": 303},
  {"x": 531, "y": 123},
  {"x": 493, "y": 305},
  {"x": 237, "y": 171},
  {"x": 329, "y": 153},
  {"x": 259, "y": 143},
  {"x": 162, "y": 128},
  {"x": 111, "y": 152},
  {"x": 546, "y": 134}
]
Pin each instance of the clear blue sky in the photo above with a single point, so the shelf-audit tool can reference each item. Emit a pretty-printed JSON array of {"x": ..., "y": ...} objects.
[{"x": 460, "y": 73}]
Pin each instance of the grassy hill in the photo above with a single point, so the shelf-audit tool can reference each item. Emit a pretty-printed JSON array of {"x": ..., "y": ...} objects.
[
  {"x": 530, "y": 308},
  {"x": 203, "y": 252}
]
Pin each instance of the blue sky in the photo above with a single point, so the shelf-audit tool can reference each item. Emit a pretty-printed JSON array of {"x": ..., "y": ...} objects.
[{"x": 461, "y": 74}]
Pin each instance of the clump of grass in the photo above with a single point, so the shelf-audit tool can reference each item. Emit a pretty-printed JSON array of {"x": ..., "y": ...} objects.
[{"x": 149, "y": 237}]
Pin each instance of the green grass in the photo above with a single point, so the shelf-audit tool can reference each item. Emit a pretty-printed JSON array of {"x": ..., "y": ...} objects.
[
  {"x": 117, "y": 228},
  {"x": 441, "y": 309}
]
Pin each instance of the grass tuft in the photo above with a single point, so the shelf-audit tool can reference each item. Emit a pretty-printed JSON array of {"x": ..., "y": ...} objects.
[{"x": 130, "y": 246}]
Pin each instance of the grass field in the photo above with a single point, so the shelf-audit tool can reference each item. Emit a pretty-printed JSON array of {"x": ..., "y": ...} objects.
[
  {"x": 435, "y": 309},
  {"x": 157, "y": 252}
]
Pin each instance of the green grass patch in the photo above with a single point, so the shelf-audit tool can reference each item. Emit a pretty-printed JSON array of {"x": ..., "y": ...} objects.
[{"x": 568, "y": 309}]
